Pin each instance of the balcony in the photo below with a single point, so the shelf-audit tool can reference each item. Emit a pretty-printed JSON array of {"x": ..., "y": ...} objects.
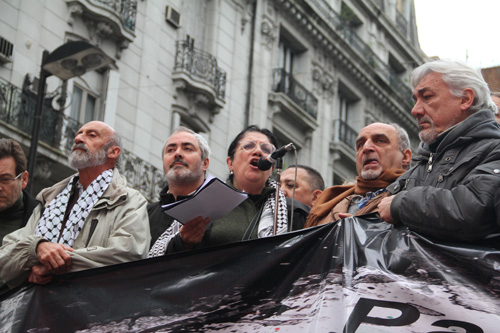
[
  {"x": 344, "y": 140},
  {"x": 345, "y": 134},
  {"x": 285, "y": 83},
  {"x": 350, "y": 37},
  {"x": 292, "y": 108},
  {"x": 107, "y": 19},
  {"x": 197, "y": 72},
  {"x": 57, "y": 131},
  {"x": 342, "y": 147}
]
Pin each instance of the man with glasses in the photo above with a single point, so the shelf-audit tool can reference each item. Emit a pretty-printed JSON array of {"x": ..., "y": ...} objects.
[{"x": 16, "y": 205}]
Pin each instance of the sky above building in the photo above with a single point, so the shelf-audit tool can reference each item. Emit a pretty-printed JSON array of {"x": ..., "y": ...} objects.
[{"x": 466, "y": 30}]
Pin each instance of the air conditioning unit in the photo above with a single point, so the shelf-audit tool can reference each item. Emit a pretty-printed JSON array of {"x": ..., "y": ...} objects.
[
  {"x": 6, "y": 49},
  {"x": 173, "y": 17}
]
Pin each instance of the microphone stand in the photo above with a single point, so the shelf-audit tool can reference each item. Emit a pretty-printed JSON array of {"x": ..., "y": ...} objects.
[{"x": 279, "y": 166}]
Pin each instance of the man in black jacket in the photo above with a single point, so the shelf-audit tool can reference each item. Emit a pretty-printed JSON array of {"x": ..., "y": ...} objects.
[
  {"x": 16, "y": 205},
  {"x": 185, "y": 161},
  {"x": 449, "y": 193}
]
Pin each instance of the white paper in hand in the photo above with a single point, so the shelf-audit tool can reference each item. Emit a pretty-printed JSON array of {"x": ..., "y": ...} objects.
[{"x": 213, "y": 199}]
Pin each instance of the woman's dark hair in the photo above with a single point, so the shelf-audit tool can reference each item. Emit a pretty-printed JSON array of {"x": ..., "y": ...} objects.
[{"x": 251, "y": 128}]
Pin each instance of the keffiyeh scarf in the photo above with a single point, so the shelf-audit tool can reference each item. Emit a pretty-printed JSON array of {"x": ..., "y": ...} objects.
[{"x": 51, "y": 223}]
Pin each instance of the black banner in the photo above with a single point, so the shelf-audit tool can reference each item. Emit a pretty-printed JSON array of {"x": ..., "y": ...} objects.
[{"x": 359, "y": 275}]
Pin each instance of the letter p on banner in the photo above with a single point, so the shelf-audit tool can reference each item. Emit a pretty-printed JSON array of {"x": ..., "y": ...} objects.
[{"x": 359, "y": 315}]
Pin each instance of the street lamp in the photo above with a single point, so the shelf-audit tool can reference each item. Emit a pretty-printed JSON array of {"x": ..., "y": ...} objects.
[{"x": 68, "y": 60}]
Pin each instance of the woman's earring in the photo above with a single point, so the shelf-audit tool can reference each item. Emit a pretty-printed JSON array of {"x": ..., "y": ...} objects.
[{"x": 230, "y": 172}]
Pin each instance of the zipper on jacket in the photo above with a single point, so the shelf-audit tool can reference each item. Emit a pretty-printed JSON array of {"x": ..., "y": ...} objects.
[{"x": 429, "y": 168}]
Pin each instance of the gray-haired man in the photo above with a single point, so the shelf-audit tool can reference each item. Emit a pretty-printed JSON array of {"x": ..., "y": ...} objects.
[{"x": 185, "y": 161}]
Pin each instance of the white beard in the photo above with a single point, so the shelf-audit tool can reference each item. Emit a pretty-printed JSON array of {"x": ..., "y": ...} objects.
[{"x": 84, "y": 159}]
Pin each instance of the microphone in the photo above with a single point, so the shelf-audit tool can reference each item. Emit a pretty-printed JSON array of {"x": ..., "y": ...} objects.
[{"x": 266, "y": 162}]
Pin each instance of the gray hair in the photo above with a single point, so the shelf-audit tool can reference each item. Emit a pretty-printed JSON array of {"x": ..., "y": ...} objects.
[
  {"x": 458, "y": 76},
  {"x": 403, "y": 138},
  {"x": 497, "y": 95},
  {"x": 204, "y": 147},
  {"x": 115, "y": 140}
]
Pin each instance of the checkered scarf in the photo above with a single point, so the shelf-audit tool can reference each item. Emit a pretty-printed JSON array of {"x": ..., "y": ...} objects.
[
  {"x": 51, "y": 223},
  {"x": 270, "y": 205}
]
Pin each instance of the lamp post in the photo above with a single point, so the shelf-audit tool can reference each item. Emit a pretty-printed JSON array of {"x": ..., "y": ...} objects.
[{"x": 68, "y": 60}]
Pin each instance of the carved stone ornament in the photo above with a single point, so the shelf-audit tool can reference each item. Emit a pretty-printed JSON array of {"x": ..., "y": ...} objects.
[
  {"x": 110, "y": 20},
  {"x": 268, "y": 33},
  {"x": 75, "y": 10}
]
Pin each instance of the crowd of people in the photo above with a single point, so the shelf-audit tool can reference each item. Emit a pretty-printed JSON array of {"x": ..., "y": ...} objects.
[{"x": 449, "y": 190}]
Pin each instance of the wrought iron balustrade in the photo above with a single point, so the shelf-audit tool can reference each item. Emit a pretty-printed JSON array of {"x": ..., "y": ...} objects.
[
  {"x": 285, "y": 83},
  {"x": 201, "y": 66},
  {"x": 125, "y": 9},
  {"x": 17, "y": 108},
  {"x": 344, "y": 133}
]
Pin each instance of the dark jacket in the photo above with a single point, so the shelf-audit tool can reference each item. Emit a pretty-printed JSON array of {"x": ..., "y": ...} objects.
[
  {"x": 300, "y": 213},
  {"x": 30, "y": 204},
  {"x": 16, "y": 216},
  {"x": 449, "y": 193},
  {"x": 158, "y": 220}
]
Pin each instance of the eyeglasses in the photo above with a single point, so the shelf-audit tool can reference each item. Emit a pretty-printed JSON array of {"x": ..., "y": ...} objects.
[
  {"x": 7, "y": 181},
  {"x": 249, "y": 145}
]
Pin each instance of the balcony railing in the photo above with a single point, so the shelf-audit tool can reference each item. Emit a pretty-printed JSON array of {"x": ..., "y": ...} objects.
[
  {"x": 17, "y": 108},
  {"x": 344, "y": 133},
  {"x": 200, "y": 66},
  {"x": 349, "y": 35},
  {"x": 285, "y": 83},
  {"x": 125, "y": 9}
]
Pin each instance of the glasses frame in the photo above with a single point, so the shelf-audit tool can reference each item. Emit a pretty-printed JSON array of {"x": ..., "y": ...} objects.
[
  {"x": 257, "y": 144},
  {"x": 10, "y": 180}
]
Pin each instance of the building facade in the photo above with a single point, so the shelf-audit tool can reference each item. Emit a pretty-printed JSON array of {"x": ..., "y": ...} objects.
[{"x": 313, "y": 71}]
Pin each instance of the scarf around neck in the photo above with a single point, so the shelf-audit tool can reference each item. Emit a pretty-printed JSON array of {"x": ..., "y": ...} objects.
[
  {"x": 51, "y": 223},
  {"x": 333, "y": 195}
]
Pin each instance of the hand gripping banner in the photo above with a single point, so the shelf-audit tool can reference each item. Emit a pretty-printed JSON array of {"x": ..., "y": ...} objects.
[{"x": 359, "y": 275}]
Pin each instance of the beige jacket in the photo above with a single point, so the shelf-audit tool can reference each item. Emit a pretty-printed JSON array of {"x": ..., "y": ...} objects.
[{"x": 116, "y": 231}]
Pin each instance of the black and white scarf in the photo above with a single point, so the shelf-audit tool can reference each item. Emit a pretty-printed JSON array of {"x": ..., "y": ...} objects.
[
  {"x": 265, "y": 228},
  {"x": 51, "y": 223}
]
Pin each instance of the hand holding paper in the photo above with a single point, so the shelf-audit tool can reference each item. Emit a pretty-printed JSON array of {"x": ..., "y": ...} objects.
[
  {"x": 192, "y": 231},
  {"x": 213, "y": 199}
]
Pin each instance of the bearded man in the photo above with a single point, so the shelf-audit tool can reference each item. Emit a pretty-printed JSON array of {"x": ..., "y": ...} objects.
[
  {"x": 382, "y": 155},
  {"x": 185, "y": 162},
  {"x": 88, "y": 220}
]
